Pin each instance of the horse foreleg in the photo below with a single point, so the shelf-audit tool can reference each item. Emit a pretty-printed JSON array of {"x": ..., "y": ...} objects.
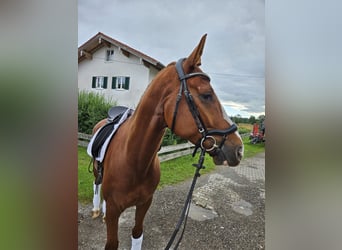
[
  {"x": 137, "y": 231},
  {"x": 112, "y": 223}
]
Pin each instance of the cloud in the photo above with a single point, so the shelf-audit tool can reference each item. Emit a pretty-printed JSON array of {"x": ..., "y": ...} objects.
[
  {"x": 234, "y": 105},
  {"x": 168, "y": 30}
]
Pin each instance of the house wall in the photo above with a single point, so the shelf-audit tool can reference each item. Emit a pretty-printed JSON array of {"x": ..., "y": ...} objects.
[{"x": 140, "y": 75}]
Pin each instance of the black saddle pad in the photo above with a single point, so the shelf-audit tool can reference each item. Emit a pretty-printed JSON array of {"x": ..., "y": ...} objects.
[
  {"x": 101, "y": 137},
  {"x": 114, "y": 116}
]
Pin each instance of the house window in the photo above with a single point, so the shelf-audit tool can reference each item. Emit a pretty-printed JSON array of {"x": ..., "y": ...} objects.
[
  {"x": 120, "y": 82},
  {"x": 109, "y": 55},
  {"x": 99, "y": 82}
]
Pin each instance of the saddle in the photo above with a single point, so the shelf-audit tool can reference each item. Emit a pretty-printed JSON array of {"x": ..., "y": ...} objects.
[
  {"x": 114, "y": 116},
  {"x": 115, "y": 113}
]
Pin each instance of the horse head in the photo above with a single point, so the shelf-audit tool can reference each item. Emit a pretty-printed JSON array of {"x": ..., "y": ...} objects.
[{"x": 193, "y": 111}]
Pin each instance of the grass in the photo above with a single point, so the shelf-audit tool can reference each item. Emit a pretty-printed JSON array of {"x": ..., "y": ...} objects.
[
  {"x": 246, "y": 126},
  {"x": 252, "y": 149},
  {"x": 85, "y": 179},
  {"x": 180, "y": 169},
  {"x": 172, "y": 171}
]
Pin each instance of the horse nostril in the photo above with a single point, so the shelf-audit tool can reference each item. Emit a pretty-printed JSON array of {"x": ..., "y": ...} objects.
[{"x": 239, "y": 152}]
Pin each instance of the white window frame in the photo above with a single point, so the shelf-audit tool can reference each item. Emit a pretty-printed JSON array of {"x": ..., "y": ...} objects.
[
  {"x": 99, "y": 83},
  {"x": 109, "y": 55},
  {"x": 120, "y": 83}
]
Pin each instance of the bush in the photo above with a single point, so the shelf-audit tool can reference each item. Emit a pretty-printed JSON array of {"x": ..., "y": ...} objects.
[
  {"x": 244, "y": 130},
  {"x": 92, "y": 107},
  {"x": 171, "y": 139}
]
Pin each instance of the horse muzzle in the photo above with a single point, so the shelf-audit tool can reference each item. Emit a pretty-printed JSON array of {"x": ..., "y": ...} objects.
[
  {"x": 231, "y": 156},
  {"x": 226, "y": 152}
]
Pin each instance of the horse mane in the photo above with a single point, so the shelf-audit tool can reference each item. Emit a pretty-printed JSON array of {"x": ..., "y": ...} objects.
[{"x": 171, "y": 63}]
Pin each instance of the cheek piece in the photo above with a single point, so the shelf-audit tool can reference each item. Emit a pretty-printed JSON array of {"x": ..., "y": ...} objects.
[{"x": 206, "y": 134}]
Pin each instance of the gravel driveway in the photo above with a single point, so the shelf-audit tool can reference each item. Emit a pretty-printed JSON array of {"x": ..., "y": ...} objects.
[{"x": 227, "y": 212}]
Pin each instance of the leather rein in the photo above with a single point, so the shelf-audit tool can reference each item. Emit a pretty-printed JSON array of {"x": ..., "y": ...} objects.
[{"x": 206, "y": 134}]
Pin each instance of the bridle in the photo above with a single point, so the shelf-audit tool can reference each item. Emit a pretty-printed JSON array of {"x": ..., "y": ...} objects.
[{"x": 206, "y": 134}]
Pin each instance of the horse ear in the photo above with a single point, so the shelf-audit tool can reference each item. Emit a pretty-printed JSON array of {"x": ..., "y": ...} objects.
[{"x": 195, "y": 57}]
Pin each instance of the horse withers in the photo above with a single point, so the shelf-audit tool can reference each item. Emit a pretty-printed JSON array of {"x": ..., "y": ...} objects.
[{"x": 179, "y": 97}]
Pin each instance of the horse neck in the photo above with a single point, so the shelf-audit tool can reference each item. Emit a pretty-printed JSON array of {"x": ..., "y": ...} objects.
[{"x": 147, "y": 126}]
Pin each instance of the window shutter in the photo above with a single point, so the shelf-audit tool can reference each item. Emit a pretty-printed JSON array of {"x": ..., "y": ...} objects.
[
  {"x": 93, "y": 84},
  {"x": 126, "y": 83},
  {"x": 105, "y": 82},
  {"x": 113, "y": 82}
]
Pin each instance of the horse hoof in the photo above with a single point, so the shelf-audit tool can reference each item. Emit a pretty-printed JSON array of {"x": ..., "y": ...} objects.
[
  {"x": 95, "y": 214},
  {"x": 104, "y": 219}
]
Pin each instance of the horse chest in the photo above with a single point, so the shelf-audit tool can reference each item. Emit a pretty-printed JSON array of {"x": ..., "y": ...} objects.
[{"x": 131, "y": 189}]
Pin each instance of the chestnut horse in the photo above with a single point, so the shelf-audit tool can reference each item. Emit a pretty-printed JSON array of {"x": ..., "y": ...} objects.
[{"x": 131, "y": 165}]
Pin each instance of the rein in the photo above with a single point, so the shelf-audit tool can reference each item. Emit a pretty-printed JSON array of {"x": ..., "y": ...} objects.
[
  {"x": 206, "y": 135},
  {"x": 186, "y": 208}
]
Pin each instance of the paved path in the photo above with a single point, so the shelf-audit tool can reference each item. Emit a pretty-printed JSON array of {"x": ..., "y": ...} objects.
[{"x": 227, "y": 213}]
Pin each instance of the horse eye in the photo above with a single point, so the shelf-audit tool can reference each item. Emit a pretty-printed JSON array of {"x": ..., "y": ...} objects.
[{"x": 206, "y": 97}]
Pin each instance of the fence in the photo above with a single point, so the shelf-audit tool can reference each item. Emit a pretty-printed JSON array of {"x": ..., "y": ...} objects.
[
  {"x": 83, "y": 139},
  {"x": 174, "y": 151},
  {"x": 165, "y": 153}
]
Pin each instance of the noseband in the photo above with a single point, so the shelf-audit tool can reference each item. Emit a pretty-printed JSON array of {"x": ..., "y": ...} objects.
[{"x": 206, "y": 134}]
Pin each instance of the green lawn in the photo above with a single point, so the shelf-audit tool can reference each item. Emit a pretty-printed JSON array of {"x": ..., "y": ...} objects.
[
  {"x": 172, "y": 171},
  {"x": 85, "y": 179},
  {"x": 252, "y": 149}
]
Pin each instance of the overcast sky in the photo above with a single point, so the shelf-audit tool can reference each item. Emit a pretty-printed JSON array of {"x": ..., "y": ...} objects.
[{"x": 234, "y": 54}]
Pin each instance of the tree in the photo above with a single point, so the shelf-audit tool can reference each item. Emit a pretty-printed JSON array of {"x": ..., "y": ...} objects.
[
  {"x": 261, "y": 117},
  {"x": 252, "y": 119}
]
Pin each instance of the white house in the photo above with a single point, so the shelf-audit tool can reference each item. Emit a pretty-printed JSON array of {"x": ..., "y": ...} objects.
[{"x": 115, "y": 70}]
